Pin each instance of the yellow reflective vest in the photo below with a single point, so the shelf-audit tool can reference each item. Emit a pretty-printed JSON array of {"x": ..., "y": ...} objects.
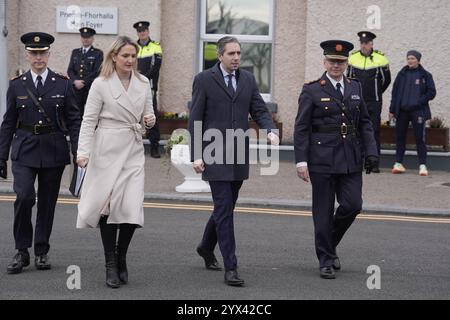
[
  {"x": 373, "y": 73},
  {"x": 149, "y": 61}
]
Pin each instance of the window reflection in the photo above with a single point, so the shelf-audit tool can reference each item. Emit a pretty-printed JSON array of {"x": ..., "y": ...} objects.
[{"x": 242, "y": 17}]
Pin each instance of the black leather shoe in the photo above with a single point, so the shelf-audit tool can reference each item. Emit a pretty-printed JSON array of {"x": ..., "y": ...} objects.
[
  {"x": 327, "y": 273},
  {"x": 232, "y": 279},
  {"x": 336, "y": 264},
  {"x": 20, "y": 260},
  {"x": 376, "y": 170},
  {"x": 41, "y": 262},
  {"x": 210, "y": 259},
  {"x": 154, "y": 151}
]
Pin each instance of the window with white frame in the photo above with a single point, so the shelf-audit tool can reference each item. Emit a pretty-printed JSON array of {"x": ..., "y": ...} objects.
[{"x": 251, "y": 21}]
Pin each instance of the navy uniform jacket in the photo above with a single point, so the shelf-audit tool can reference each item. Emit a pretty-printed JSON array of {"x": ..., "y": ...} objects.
[
  {"x": 217, "y": 108},
  {"x": 332, "y": 152},
  {"x": 85, "y": 66},
  {"x": 48, "y": 149}
]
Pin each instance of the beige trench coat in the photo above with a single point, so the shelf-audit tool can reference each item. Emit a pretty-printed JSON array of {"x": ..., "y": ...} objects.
[{"x": 115, "y": 172}]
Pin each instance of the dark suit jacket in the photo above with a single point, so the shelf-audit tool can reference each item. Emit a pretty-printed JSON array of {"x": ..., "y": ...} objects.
[
  {"x": 332, "y": 152},
  {"x": 218, "y": 108},
  {"x": 43, "y": 150}
]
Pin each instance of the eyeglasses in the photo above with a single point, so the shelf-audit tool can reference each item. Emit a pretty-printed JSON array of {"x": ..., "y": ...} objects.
[{"x": 337, "y": 62}]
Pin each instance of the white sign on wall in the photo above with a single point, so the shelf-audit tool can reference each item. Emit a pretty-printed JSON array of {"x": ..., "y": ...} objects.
[{"x": 71, "y": 18}]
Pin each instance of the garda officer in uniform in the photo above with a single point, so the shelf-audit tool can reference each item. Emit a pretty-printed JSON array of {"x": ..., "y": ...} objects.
[
  {"x": 332, "y": 132},
  {"x": 149, "y": 63},
  {"x": 41, "y": 111},
  {"x": 371, "y": 68},
  {"x": 84, "y": 66}
]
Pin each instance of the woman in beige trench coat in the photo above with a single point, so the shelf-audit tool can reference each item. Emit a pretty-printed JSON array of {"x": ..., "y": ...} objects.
[{"x": 118, "y": 109}]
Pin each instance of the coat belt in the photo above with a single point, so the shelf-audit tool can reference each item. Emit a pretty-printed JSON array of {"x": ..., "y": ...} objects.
[{"x": 114, "y": 124}]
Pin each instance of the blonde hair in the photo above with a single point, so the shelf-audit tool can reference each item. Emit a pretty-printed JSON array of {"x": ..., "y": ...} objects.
[{"x": 108, "y": 66}]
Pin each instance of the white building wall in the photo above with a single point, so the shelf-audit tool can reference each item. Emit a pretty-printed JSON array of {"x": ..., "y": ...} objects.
[
  {"x": 31, "y": 15},
  {"x": 405, "y": 25}
]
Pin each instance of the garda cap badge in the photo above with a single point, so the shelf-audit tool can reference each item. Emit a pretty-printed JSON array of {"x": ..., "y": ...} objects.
[
  {"x": 339, "y": 47},
  {"x": 37, "y": 39}
]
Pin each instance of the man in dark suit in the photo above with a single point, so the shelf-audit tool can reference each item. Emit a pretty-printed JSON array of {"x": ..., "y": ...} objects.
[
  {"x": 332, "y": 134},
  {"x": 222, "y": 98},
  {"x": 84, "y": 66},
  {"x": 41, "y": 111}
]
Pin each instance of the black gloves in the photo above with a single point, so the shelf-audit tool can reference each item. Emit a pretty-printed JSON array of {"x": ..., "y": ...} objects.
[
  {"x": 3, "y": 169},
  {"x": 371, "y": 163}
]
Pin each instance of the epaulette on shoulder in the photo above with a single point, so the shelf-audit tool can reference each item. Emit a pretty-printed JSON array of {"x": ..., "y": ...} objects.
[
  {"x": 311, "y": 82},
  {"x": 354, "y": 52},
  {"x": 15, "y": 78},
  {"x": 379, "y": 52},
  {"x": 352, "y": 79},
  {"x": 155, "y": 42},
  {"x": 60, "y": 75}
]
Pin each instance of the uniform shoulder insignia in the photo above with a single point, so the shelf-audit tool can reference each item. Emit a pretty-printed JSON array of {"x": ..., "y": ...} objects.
[
  {"x": 379, "y": 52},
  {"x": 60, "y": 75},
  {"x": 155, "y": 42},
  {"x": 311, "y": 82}
]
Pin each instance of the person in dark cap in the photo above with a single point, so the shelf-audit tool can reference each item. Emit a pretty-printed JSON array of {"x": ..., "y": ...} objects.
[
  {"x": 149, "y": 64},
  {"x": 371, "y": 68},
  {"x": 332, "y": 134},
  {"x": 41, "y": 112},
  {"x": 84, "y": 66},
  {"x": 413, "y": 89}
]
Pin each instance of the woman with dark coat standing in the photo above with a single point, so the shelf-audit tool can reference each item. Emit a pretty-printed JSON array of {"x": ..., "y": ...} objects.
[{"x": 413, "y": 89}]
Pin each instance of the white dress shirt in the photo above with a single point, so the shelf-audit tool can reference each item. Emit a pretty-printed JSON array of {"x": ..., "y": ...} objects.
[
  {"x": 84, "y": 50},
  {"x": 225, "y": 77},
  {"x": 35, "y": 75}
]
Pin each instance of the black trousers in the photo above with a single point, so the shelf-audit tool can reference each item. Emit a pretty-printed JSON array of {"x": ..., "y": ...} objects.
[
  {"x": 220, "y": 227},
  {"x": 401, "y": 129},
  {"x": 153, "y": 134},
  {"x": 81, "y": 98},
  {"x": 330, "y": 226},
  {"x": 49, "y": 180},
  {"x": 374, "y": 109}
]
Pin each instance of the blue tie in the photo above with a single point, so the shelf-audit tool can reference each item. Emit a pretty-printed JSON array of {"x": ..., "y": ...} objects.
[
  {"x": 230, "y": 83},
  {"x": 339, "y": 92},
  {"x": 39, "y": 84}
]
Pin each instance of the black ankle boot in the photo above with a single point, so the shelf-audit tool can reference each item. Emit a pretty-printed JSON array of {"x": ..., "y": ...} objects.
[
  {"x": 112, "y": 273},
  {"x": 122, "y": 265}
]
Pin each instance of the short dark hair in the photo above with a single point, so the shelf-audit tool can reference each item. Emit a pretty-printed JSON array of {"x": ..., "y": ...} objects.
[{"x": 224, "y": 41}]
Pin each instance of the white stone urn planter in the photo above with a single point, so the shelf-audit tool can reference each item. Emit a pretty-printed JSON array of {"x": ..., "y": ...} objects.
[{"x": 181, "y": 159}]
